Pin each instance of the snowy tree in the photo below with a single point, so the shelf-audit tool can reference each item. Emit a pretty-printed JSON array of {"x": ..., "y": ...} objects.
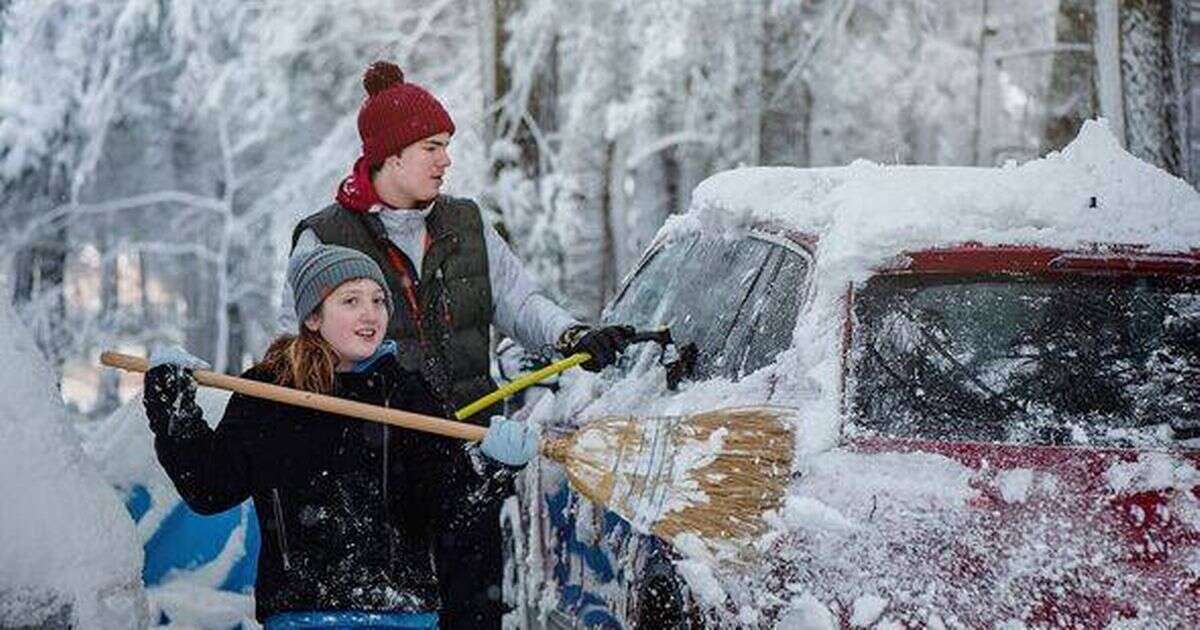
[
  {"x": 1123, "y": 59},
  {"x": 150, "y": 150},
  {"x": 63, "y": 68},
  {"x": 155, "y": 156}
]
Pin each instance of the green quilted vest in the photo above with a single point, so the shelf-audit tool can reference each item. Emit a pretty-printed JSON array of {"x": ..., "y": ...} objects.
[{"x": 451, "y": 345}]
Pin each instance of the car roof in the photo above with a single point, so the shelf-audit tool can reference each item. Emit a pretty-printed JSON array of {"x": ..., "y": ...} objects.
[{"x": 1089, "y": 197}]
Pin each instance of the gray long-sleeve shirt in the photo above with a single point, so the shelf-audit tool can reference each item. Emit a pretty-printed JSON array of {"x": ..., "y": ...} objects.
[{"x": 519, "y": 308}]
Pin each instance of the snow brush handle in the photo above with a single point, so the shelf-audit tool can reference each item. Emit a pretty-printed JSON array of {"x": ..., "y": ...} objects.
[
  {"x": 310, "y": 400},
  {"x": 521, "y": 383}
]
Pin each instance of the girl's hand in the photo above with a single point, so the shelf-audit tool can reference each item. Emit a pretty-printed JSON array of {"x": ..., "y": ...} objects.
[
  {"x": 169, "y": 393},
  {"x": 509, "y": 442}
]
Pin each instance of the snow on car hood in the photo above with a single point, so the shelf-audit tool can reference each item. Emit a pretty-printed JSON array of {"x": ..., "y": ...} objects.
[
  {"x": 942, "y": 543},
  {"x": 67, "y": 546}
]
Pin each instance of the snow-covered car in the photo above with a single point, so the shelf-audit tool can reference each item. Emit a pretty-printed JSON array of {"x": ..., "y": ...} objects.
[{"x": 995, "y": 372}]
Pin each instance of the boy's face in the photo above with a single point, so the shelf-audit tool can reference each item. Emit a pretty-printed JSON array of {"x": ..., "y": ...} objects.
[{"x": 415, "y": 176}]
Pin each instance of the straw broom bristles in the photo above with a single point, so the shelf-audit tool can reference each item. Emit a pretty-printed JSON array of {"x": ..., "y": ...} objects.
[{"x": 713, "y": 474}]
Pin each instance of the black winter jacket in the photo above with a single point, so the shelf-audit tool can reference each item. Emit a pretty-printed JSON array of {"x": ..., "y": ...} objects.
[{"x": 347, "y": 508}]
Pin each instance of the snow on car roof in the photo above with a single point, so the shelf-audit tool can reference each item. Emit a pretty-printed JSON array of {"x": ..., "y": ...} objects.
[{"x": 1093, "y": 191}]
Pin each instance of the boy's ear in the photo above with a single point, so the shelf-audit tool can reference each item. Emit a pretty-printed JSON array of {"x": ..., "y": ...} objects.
[{"x": 313, "y": 321}]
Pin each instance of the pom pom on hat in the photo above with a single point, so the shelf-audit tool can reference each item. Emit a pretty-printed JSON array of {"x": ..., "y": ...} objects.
[
  {"x": 380, "y": 76},
  {"x": 396, "y": 114}
]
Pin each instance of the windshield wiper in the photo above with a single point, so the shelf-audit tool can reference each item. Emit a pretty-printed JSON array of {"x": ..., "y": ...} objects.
[{"x": 994, "y": 395}]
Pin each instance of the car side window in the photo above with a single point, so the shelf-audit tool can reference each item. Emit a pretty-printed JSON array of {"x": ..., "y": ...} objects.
[
  {"x": 1064, "y": 360},
  {"x": 737, "y": 300}
]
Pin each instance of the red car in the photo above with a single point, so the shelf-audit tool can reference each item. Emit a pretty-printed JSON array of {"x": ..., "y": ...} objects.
[{"x": 990, "y": 434}]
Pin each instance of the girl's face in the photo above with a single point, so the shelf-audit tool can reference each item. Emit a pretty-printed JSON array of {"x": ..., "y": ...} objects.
[{"x": 353, "y": 319}]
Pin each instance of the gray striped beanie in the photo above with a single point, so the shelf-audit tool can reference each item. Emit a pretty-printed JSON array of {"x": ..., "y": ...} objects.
[{"x": 315, "y": 272}]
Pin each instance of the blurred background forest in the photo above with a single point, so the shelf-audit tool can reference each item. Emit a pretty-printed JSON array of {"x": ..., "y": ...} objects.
[{"x": 155, "y": 154}]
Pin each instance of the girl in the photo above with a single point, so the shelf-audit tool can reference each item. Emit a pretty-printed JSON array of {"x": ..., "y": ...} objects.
[{"x": 348, "y": 509}]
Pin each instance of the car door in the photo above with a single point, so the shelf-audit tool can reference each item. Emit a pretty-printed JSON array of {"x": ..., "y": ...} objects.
[{"x": 737, "y": 299}]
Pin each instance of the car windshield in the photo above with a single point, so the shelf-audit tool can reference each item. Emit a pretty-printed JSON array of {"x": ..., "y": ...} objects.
[
  {"x": 735, "y": 299},
  {"x": 1071, "y": 360}
]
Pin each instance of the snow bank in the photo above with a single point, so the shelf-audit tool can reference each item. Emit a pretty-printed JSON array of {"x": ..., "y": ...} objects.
[
  {"x": 191, "y": 596},
  {"x": 68, "y": 550}
]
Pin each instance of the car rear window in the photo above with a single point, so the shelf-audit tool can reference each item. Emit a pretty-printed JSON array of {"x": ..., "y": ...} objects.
[
  {"x": 736, "y": 299},
  {"x": 1063, "y": 360}
]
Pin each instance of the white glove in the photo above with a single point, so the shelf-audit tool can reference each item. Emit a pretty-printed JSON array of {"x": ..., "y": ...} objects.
[{"x": 509, "y": 441}]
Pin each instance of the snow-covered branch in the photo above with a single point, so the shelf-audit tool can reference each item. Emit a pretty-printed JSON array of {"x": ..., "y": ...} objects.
[
  {"x": 48, "y": 218},
  {"x": 176, "y": 249},
  {"x": 1037, "y": 51},
  {"x": 835, "y": 14},
  {"x": 424, "y": 24},
  {"x": 682, "y": 137}
]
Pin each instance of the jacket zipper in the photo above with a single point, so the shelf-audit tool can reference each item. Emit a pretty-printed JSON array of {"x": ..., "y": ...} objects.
[
  {"x": 387, "y": 396},
  {"x": 447, "y": 312},
  {"x": 281, "y": 533}
]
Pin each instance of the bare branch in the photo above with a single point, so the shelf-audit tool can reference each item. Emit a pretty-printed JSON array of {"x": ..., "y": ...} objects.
[{"x": 1035, "y": 51}]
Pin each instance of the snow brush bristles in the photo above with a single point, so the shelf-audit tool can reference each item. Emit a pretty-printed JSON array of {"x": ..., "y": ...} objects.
[{"x": 712, "y": 474}]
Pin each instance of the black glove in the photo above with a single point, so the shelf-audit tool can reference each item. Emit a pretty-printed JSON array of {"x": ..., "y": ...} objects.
[
  {"x": 604, "y": 344},
  {"x": 169, "y": 397}
]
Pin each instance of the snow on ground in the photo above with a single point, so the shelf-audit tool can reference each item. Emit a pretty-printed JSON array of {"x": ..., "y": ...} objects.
[
  {"x": 68, "y": 549},
  {"x": 858, "y": 525}
]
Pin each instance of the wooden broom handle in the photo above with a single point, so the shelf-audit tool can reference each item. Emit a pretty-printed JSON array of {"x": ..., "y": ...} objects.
[{"x": 331, "y": 404}]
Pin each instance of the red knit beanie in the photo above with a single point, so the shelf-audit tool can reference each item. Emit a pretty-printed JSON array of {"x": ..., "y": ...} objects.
[{"x": 396, "y": 114}]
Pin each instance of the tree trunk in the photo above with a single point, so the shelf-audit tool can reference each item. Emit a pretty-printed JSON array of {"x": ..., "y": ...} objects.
[
  {"x": 236, "y": 341},
  {"x": 107, "y": 398},
  {"x": 195, "y": 277},
  {"x": 654, "y": 196},
  {"x": 985, "y": 33},
  {"x": 40, "y": 267},
  {"x": 614, "y": 175},
  {"x": 149, "y": 316},
  {"x": 1071, "y": 94},
  {"x": 1106, "y": 47},
  {"x": 512, "y": 107},
  {"x": 785, "y": 120},
  {"x": 586, "y": 161},
  {"x": 1150, "y": 82}
]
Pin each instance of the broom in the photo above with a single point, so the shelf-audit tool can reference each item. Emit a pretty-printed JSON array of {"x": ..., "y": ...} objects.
[{"x": 712, "y": 474}]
